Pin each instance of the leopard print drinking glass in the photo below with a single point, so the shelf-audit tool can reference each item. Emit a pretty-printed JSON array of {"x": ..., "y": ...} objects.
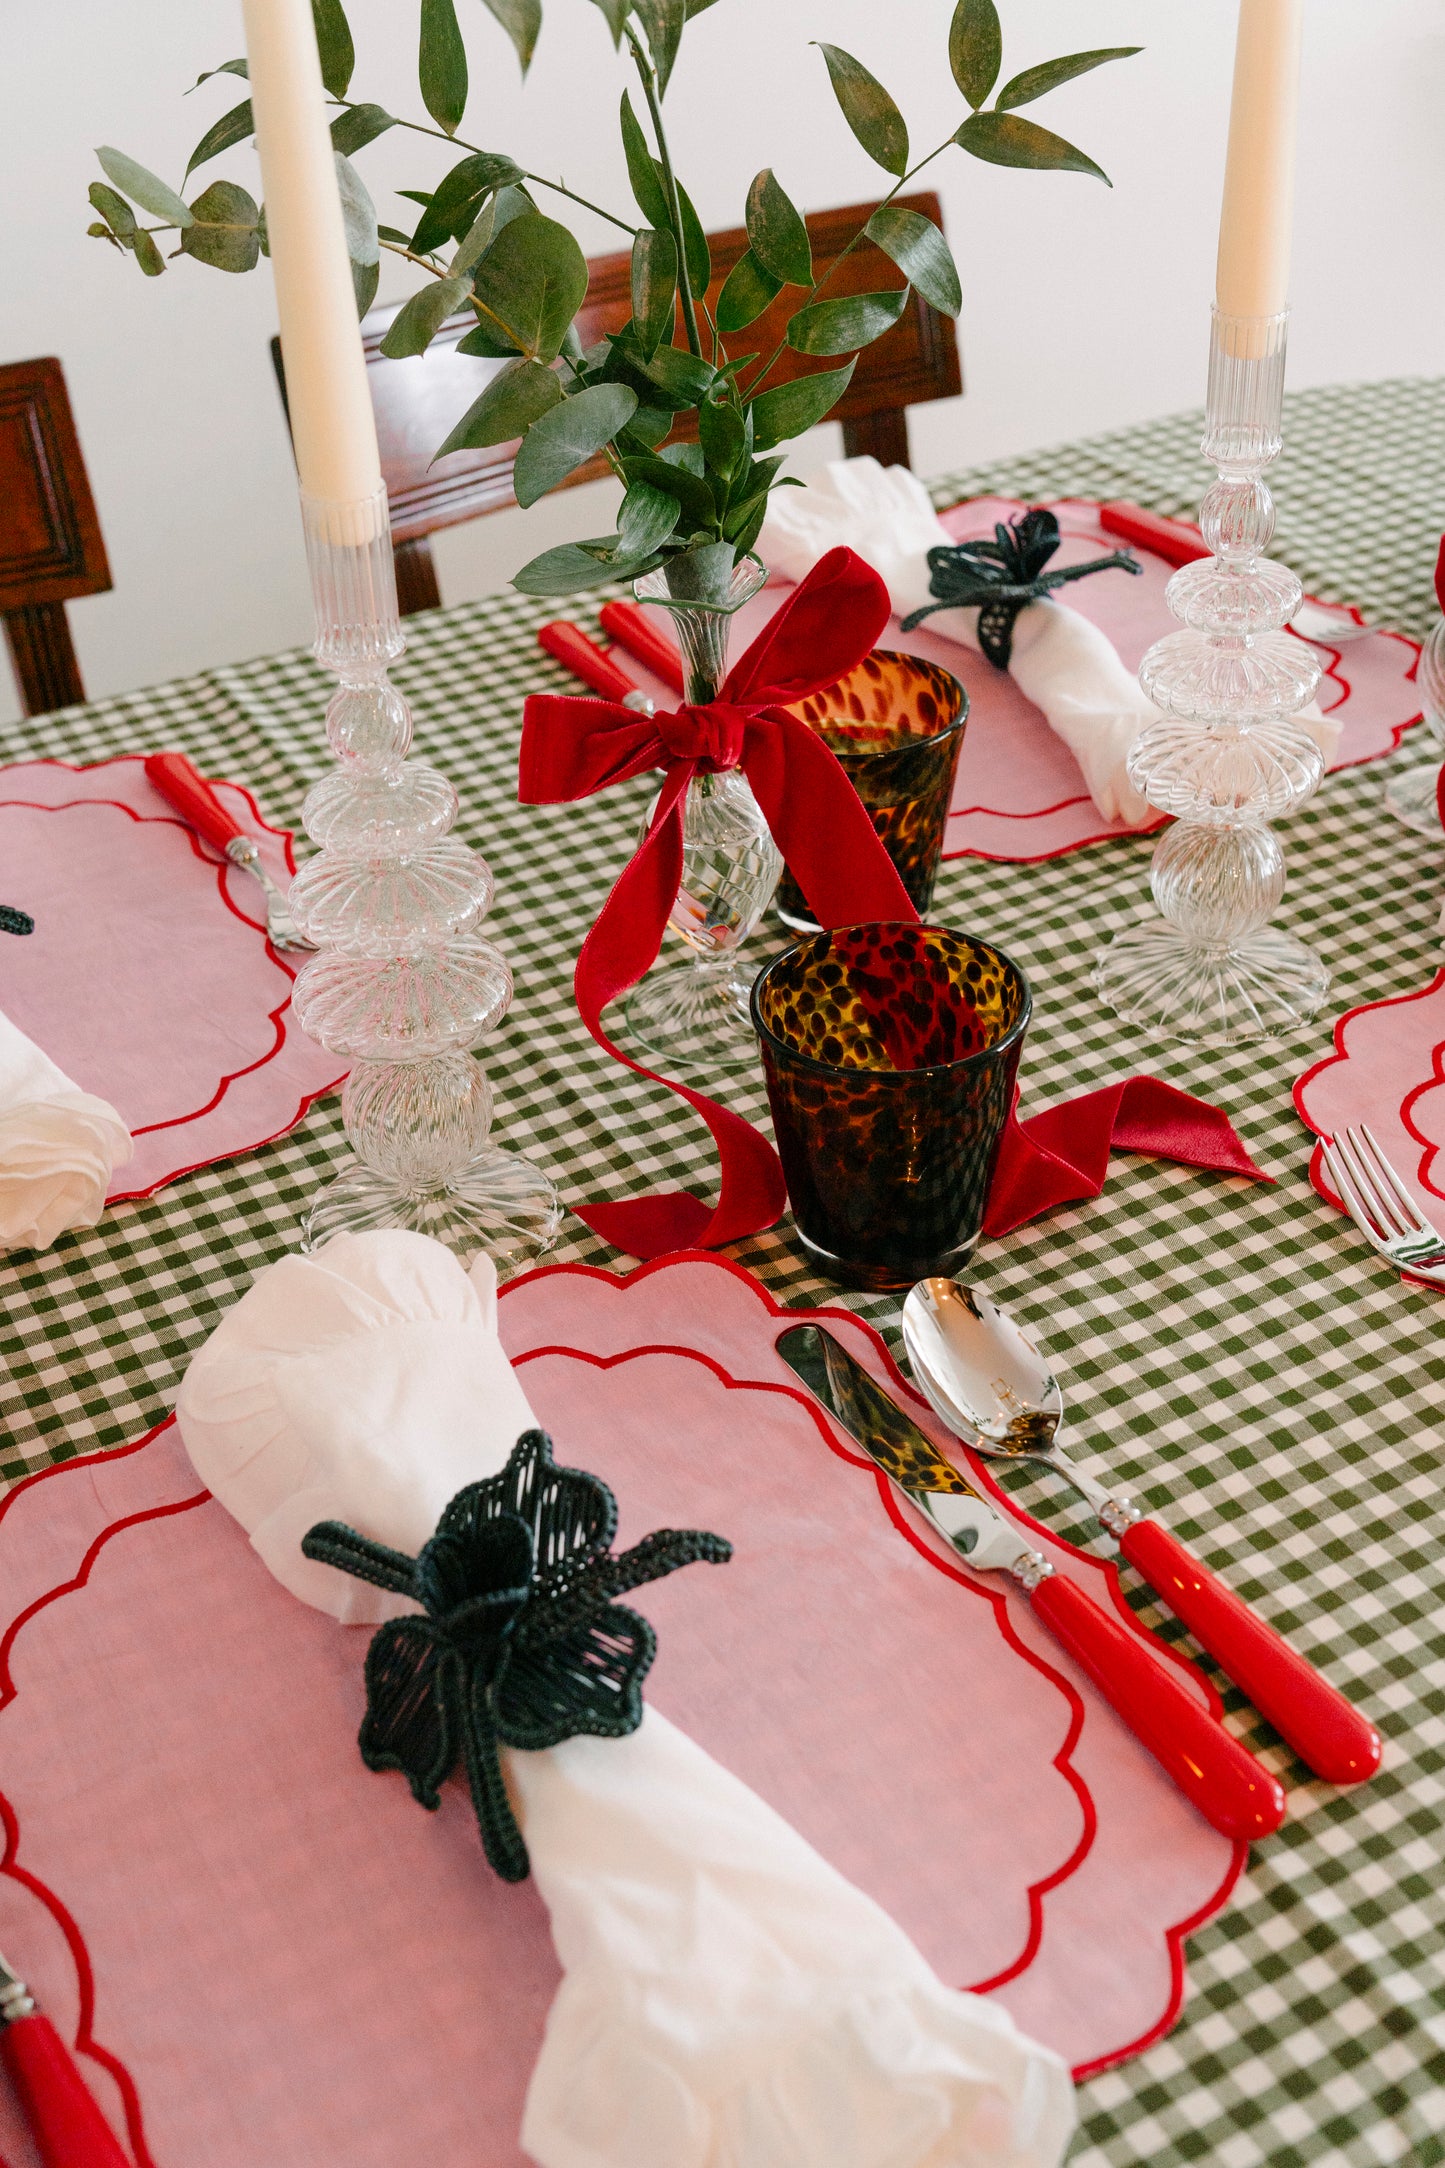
[
  {"x": 890, "y": 1053},
  {"x": 896, "y": 725}
]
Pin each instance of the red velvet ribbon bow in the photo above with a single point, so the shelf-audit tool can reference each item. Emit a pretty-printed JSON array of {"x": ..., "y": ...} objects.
[{"x": 572, "y": 748}]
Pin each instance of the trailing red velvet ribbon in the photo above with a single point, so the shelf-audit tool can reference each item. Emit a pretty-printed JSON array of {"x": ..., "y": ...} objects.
[
  {"x": 573, "y": 748},
  {"x": 1062, "y": 1156}
]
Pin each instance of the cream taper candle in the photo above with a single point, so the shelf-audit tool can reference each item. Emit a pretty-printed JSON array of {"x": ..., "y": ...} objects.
[
  {"x": 332, "y": 426},
  {"x": 1254, "y": 224}
]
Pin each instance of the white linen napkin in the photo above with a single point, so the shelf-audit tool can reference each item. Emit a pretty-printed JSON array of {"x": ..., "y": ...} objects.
[
  {"x": 1064, "y": 664},
  {"x": 729, "y": 2000},
  {"x": 59, "y": 1146}
]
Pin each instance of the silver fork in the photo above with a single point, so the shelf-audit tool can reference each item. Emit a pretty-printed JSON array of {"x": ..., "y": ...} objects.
[
  {"x": 281, "y": 927},
  {"x": 1380, "y": 1205}
]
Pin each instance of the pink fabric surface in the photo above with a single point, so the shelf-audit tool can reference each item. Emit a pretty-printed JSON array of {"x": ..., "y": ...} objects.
[
  {"x": 1019, "y": 794},
  {"x": 148, "y": 976},
  {"x": 1387, "y": 1069},
  {"x": 270, "y": 1954}
]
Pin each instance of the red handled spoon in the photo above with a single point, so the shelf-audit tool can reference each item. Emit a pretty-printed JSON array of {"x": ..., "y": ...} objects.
[{"x": 992, "y": 1387}]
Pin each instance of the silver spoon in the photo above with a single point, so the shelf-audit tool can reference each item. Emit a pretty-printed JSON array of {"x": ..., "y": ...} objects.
[
  {"x": 984, "y": 1377},
  {"x": 986, "y": 1380}
]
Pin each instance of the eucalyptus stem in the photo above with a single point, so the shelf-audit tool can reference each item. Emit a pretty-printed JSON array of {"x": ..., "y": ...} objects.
[
  {"x": 399, "y": 248},
  {"x": 419, "y": 128},
  {"x": 648, "y": 76},
  {"x": 439, "y": 271},
  {"x": 846, "y": 250},
  {"x": 572, "y": 197}
]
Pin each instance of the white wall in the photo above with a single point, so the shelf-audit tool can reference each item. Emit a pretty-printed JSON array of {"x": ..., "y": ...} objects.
[{"x": 1084, "y": 308}]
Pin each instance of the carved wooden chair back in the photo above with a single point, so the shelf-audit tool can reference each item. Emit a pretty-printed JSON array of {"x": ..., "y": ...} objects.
[
  {"x": 51, "y": 549},
  {"x": 419, "y": 400}
]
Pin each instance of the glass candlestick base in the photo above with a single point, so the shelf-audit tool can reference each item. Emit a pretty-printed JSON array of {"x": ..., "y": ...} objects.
[
  {"x": 694, "y": 1016},
  {"x": 1211, "y": 967},
  {"x": 1158, "y": 976},
  {"x": 403, "y": 985},
  {"x": 1414, "y": 799},
  {"x": 499, "y": 1202}
]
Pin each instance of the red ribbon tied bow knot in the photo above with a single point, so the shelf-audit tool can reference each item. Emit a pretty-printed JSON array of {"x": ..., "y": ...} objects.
[
  {"x": 711, "y": 737},
  {"x": 573, "y": 748}
]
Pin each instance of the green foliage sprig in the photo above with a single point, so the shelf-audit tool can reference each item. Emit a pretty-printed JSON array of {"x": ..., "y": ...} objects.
[{"x": 641, "y": 395}]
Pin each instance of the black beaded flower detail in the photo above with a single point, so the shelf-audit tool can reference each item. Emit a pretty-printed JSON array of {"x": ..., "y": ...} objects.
[
  {"x": 520, "y": 1643},
  {"x": 13, "y": 921},
  {"x": 1004, "y": 575}
]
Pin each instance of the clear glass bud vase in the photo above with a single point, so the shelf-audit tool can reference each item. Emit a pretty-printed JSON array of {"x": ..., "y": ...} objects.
[
  {"x": 1227, "y": 755},
  {"x": 403, "y": 984},
  {"x": 695, "y": 1015}
]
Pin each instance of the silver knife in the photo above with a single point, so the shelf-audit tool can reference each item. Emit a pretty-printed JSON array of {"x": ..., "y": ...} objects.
[
  {"x": 1209, "y": 1765},
  {"x": 975, "y": 1528}
]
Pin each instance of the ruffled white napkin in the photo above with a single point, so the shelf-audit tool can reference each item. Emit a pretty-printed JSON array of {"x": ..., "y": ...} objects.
[
  {"x": 729, "y": 2000},
  {"x": 1064, "y": 664},
  {"x": 59, "y": 1146}
]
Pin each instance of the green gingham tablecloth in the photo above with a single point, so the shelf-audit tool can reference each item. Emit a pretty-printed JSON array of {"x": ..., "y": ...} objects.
[{"x": 1236, "y": 1353}]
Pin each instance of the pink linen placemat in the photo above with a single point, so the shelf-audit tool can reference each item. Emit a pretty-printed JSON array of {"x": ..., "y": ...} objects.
[
  {"x": 267, "y": 1953},
  {"x": 1019, "y": 795},
  {"x": 149, "y": 977},
  {"x": 1387, "y": 1069}
]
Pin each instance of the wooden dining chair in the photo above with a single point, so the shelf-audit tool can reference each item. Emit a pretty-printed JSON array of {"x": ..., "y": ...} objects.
[
  {"x": 51, "y": 550},
  {"x": 419, "y": 400}
]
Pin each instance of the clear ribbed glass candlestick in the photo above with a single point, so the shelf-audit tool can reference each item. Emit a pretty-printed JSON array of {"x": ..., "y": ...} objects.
[
  {"x": 1227, "y": 755},
  {"x": 404, "y": 986}
]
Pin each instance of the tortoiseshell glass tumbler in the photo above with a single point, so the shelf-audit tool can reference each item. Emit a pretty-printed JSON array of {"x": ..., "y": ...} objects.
[
  {"x": 896, "y": 725},
  {"x": 890, "y": 1053}
]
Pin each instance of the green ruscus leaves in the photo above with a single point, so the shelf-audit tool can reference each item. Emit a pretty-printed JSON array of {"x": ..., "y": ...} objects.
[
  {"x": 334, "y": 42},
  {"x": 442, "y": 64},
  {"x": 921, "y": 254},
  {"x": 975, "y": 54},
  {"x": 522, "y": 20},
  {"x": 869, "y": 111},
  {"x": 841, "y": 327},
  {"x": 777, "y": 235},
  {"x": 1003, "y": 139},
  {"x": 975, "y": 48},
  {"x": 1023, "y": 89},
  {"x": 654, "y": 286}
]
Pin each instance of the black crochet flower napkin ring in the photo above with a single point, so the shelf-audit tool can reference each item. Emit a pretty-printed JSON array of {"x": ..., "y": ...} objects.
[
  {"x": 15, "y": 921},
  {"x": 520, "y": 1643},
  {"x": 1003, "y": 576}
]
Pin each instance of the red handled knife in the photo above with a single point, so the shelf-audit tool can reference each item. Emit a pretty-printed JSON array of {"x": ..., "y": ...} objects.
[
  {"x": 568, "y": 644},
  {"x": 1210, "y": 1766}
]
